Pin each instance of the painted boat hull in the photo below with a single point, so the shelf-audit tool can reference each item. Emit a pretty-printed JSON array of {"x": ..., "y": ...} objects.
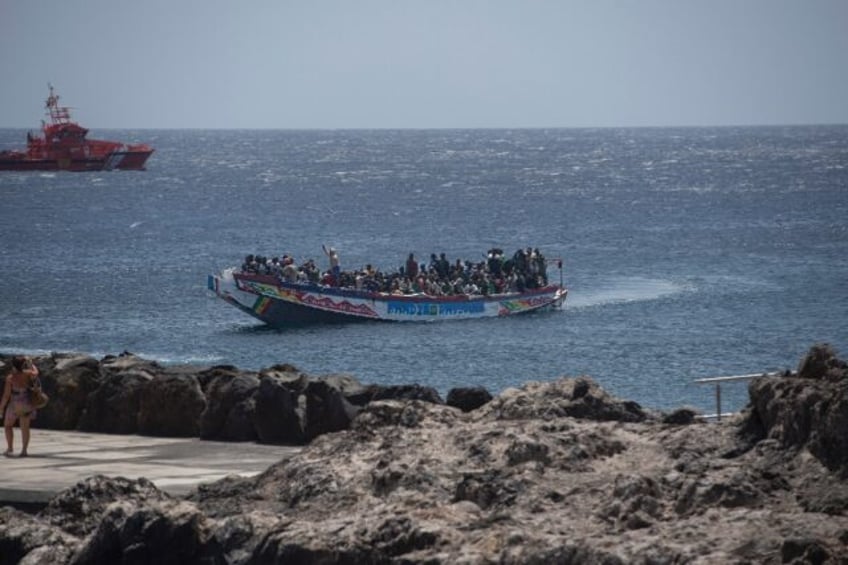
[{"x": 282, "y": 304}]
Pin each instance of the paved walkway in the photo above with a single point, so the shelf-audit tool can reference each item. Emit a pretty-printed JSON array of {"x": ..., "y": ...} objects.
[{"x": 58, "y": 460}]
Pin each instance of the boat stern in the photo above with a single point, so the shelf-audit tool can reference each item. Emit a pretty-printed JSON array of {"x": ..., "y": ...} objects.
[
  {"x": 559, "y": 297},
  {"x": 129, "y": 158}
]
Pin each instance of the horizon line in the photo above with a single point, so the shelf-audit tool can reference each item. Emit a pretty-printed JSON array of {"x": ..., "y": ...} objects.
[{"x": 454, "y": 128}]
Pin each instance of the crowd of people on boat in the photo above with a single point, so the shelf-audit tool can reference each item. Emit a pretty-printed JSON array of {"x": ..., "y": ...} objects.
[{"x": 498, "y": 273}]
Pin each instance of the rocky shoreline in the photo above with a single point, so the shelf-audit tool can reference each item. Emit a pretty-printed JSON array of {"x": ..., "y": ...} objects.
[
  {"x": 555, "y": 472},
  {"x": 126, "y": 394}
]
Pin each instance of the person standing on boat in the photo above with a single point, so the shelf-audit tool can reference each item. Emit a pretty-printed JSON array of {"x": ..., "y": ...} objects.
[
  {"x": 16, "y": 404},
  {"x": 289, "y": 270},
  {"x": 542, "y": 267},
  {"x": 411, "y": 266},
  {"x": 333, "y": 256},
  {"x": 442, "y": 266}
]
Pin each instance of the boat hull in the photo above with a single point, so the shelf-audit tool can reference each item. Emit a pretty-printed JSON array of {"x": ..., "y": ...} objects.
[
  {"x": 64, "y": 146},
  {"x": 284, "y": 304},
  {"x": 121, "y": 160}
]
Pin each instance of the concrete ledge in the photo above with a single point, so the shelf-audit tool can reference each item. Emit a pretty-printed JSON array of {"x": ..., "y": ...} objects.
[{"x": 58, "y": 460}]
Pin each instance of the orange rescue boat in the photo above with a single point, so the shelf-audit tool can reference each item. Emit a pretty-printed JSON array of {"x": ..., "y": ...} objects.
[{"x": 63, "y": 146}]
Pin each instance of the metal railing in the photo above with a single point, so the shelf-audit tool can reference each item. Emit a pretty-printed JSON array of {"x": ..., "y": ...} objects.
[{"x": 718, "y": 380}]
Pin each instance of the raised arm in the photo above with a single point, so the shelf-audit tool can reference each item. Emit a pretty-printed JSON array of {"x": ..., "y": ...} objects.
[{"x": 31, "y": 370}]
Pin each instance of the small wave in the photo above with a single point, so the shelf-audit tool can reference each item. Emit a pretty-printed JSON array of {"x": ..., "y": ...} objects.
[
  {"x": 165, "y": 359},
  {"x": 175, "y": 359},
  {"x": 168, "y": 180},
  {"x": 35, "y": 310},
  {"x": 24, "y": 351}
]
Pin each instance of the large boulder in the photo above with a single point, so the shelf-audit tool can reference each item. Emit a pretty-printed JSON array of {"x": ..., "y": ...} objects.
[
  {"x": 681, "y": 416},
  {"x": 24, "y": 539},
  {"x": 373, "y": 392},
  {"x": 821, "y": 363},
  {"x": 403, "y": 414},
  {"x": 808, "y": 409},
  {"x": 68, "y": 380},
  {"x": 127, "y": 361},
  {"x": 113, "y": 408},
  {"x": 78, "y": 509},
  {"x": 346, "y": 384},
  {"x": 278, "y": 418},
  {"x": 156, "y": 532},
  {"x": 468, "y": 398},
  {"x": 210, "y": 374},
  {"x": 230, "y": 405},
  {"x": 171, "y": 405},
  {"x": 327, "y": 409},
  {"x": 580, "y": 398}
]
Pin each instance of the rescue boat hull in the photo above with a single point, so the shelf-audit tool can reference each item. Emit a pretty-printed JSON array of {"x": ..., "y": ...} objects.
[{"x": 63, "y": 146}]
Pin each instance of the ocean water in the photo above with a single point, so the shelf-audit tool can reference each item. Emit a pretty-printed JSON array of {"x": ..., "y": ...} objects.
[{"x": 689, "y": 253}]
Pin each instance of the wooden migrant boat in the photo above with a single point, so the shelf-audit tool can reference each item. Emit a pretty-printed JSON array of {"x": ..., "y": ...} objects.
[{"x": 276, "y": 302}]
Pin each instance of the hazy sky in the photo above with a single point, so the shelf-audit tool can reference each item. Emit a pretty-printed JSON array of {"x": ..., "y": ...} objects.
[{"x": 425, "y": 63}]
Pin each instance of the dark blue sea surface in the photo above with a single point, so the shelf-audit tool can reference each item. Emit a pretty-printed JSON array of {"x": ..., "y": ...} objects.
[{"x": 689, "y": 253}]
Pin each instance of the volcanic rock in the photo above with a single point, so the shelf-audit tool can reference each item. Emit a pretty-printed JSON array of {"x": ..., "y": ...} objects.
[
  {"x": 327, "y": 409},
  {"x": 361, "y": 395},
  {"x": 77, "y": 510},
  {"x": 468, "y": 398},
  {"x": 230, "y": 406},
  {"x": 578, "y": 398},
  {"x": 113, "y": 407},
  {"x": 28, "y": 540},
  {"x": 805, "y": 410},
  {"x": 821, "y": 362},
  {"x": 171, "y": 405},
  {"x": 555, "y": 472},
  {"x": 68, "y": 380},
  {"x": 278, "y": 417}
]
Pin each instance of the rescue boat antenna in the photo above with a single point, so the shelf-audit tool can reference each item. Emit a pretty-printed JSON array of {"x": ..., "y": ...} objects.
[{"x": 58, "y": 114}]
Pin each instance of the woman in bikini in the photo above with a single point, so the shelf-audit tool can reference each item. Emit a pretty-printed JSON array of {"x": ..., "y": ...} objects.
[{"x": 16, "y": 404}]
